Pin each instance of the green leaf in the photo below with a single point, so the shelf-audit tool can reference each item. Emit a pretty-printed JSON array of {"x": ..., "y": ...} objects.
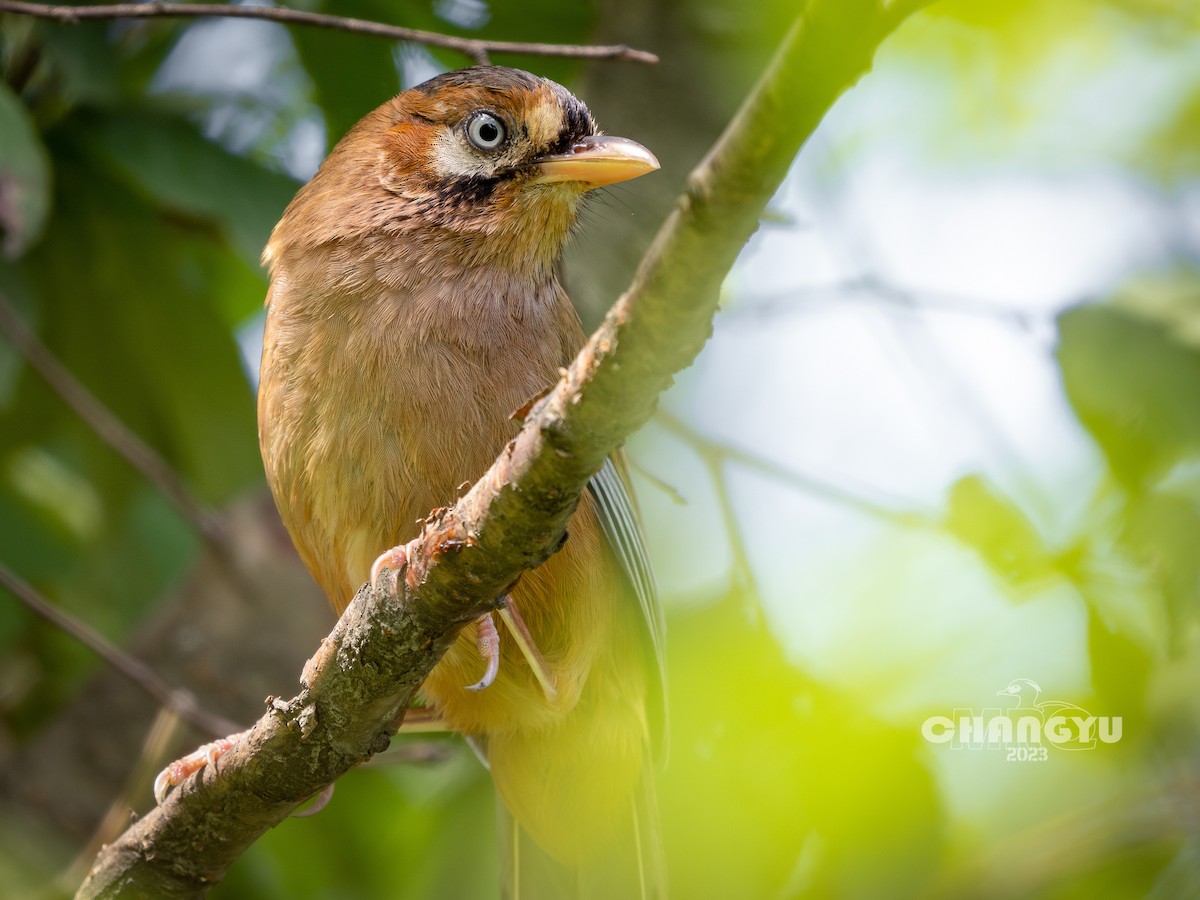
[
  {"x": 1122, "y": 669},
  {"x": 802, "y": 788},
  {"x": 129, "y": 312},
  {"x": 86, "y": 70},
  {"x": 102, "y": 63},
  {"x": 1134, "y": 385},
  {"x": 167, "y": 161},
  {"x": 998, "y": 531},
  {"x": 15, "y": 288},
  {"x": 24, "y": 177},
  {"x": 1163, "y": 532}
]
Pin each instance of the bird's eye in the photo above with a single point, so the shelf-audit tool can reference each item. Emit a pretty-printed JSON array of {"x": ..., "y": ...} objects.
[{"x": 485, "y": 131}]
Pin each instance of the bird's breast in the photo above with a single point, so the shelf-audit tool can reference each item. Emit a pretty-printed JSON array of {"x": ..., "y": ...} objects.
[{"x": 375, "y": 407}]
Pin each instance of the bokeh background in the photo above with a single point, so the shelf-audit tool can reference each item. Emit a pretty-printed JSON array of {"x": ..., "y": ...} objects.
[{"x": 946, "y": 436}]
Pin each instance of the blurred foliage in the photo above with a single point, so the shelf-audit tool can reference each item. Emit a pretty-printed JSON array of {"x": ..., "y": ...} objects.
[
  {"x": 25, "y": 178},
  {"x": 784, "y": 769},
  {"x": 389, "y": 832},
  {"x": 1134, "y": 386},
  {"x": 133, "y": 215}
]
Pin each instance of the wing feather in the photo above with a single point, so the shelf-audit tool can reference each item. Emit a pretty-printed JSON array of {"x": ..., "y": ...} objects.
[{"x": 621, "y": 524}]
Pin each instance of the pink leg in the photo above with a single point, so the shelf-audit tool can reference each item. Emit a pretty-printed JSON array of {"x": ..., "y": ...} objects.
[
  {"x": 489, "y": 649},
  {"x": 319, "y": 804}
]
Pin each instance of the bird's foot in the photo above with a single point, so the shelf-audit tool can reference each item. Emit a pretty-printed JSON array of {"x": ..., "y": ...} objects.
[
  {"x": 489, "y": 649},
  {"x": 179, "y": 771},
  {"x": 529, "y": 649},
  {"x": 522, "y": 413},
  {"x": 393, "y": 560},
  {"x": 319, "y": 803}
]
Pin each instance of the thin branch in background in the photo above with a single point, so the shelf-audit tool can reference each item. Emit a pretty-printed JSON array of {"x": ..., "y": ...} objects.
[
  {"x": 912, "y": 300},
  {"x": 957, "y": 393},
  {"x": 180, "y": 702},
  {"x": 741, "y": 555},
  {"x": 714, "y": 461},
  {"x": 963, "y": 400},
  {"x": 872, "y": 290},
  {"x": 159, "y": 739},
  {"x": 110, "y": 429},
  {"x": 477, "y": 49},
  {"x": 708, "y": 447},
  {"x": 666, "y": 487},
  {"x": 921, "y": 345}
]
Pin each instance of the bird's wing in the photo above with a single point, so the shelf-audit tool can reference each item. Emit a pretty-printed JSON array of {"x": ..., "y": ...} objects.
[{"x": 622, "y": 528}]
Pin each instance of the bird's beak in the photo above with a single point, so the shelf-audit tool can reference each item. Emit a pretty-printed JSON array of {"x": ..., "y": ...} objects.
[{"x": 597, "y": 161}]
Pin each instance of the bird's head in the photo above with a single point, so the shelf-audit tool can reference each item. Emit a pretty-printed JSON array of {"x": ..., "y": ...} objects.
[
  {"x": 1024, "y": 689},
  {"x": 486, "y": 164}
]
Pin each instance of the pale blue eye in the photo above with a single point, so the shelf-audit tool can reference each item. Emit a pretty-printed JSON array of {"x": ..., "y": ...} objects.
[{"x": 486, "y": 131}]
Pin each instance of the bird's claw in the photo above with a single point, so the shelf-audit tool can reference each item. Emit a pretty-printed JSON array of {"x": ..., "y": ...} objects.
[
  {"x": 395, "y": 560},
  {"x": 489, "y": 648},
  {"x": 178, "y": 771}
]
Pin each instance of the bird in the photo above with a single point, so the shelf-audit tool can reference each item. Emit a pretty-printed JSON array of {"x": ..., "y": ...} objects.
[
  {"x": 414, "y": 304},
  {"x": 1061, "y": 713}
]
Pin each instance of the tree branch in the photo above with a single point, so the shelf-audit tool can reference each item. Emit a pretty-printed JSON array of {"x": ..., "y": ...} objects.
[
  {"x": 478, "y": 50},
  {"x": 178, "y": 701},
  {"x": 386, "y": 643},
  {"x": 110, "y": 429},
  {"x": 715, "y": 454}
]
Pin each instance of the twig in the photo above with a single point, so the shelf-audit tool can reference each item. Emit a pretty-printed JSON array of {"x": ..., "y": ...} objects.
[
  {"x": 716, "y": 452},
  {"x": 476, "y": 49},
  {"x": 661, "y": 483},
  {"x": 713, "y": 458},
  {"x": 132, "y": 668},
  {"x": 467, "y": 557},
  {"x": 871, "y": 289},
  {"x": 110, "y": 429},
  {"x": 163, "y": 733}
]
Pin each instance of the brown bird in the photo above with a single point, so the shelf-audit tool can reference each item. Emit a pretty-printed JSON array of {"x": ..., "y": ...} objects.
[{"x": 414, "y": 305}]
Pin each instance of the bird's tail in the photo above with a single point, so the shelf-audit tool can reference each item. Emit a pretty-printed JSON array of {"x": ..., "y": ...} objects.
[{"x": 630, "y": 866}]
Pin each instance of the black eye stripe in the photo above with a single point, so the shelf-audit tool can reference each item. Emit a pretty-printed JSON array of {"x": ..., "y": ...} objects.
[
  {"x": 468, "y": 189},
  {"x": 473, "y": 190}
]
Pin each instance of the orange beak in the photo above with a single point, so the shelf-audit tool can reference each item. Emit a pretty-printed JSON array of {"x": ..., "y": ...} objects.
[{"x": 597, "y": 161}]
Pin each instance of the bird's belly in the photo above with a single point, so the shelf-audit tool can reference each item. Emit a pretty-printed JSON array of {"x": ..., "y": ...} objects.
[{"x": 374, "y": 461}]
